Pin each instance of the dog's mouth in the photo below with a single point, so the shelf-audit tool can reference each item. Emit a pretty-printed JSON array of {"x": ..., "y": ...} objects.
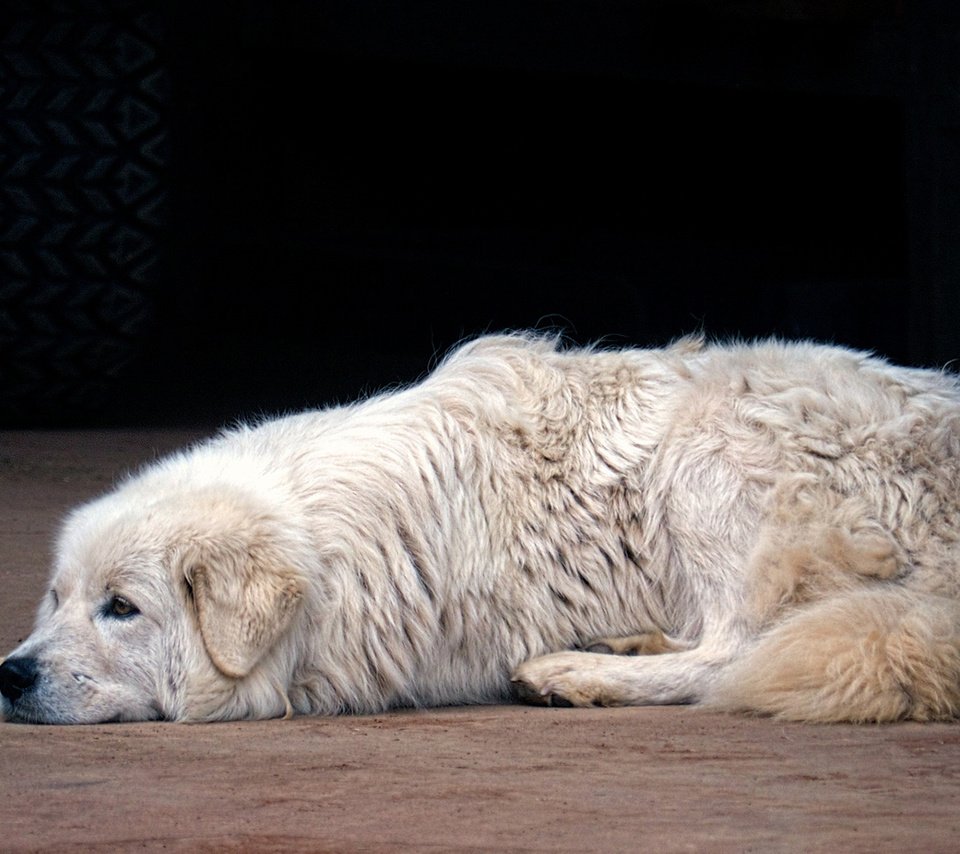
[
  {"x": 30, "y": 707},
  {"x": 20, "y": 713},
  {"x": 153, "y": 714}
]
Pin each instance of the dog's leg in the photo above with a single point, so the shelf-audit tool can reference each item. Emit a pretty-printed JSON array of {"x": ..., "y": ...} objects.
[{"x": 592, "y": 679}]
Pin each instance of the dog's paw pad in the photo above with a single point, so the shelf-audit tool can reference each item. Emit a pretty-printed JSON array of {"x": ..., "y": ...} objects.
[{"x": 524, "y": 692}]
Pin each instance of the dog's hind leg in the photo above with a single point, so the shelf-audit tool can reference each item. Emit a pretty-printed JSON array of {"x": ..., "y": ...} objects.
[
  {"x": 646, "y": 643},
  {"x": 881, "y": 654}
]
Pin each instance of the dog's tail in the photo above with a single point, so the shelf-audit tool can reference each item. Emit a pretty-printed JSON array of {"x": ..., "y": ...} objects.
[{"x": 879, "y": 655}]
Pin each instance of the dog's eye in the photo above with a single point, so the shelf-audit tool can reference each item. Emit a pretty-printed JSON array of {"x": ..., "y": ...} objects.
[{"x": 120, "y": 607}]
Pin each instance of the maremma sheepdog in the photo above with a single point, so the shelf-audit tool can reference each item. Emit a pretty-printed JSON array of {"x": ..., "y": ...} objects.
[{"x": 770, "y": 528}]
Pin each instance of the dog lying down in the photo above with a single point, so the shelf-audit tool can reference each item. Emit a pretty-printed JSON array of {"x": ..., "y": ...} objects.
[{"x": 770, "y": 528}]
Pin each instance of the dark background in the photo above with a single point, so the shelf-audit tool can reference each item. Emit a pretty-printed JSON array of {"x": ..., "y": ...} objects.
[{"x": 217, "y": 209}]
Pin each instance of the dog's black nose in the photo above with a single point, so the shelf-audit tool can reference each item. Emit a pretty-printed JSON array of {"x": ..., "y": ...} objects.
[{"x": 16, "y": 677}]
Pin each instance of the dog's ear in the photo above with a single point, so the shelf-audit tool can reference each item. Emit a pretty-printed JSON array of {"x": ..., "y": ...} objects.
[
  {"x": 242, "y": 615},
  {"x": 239, "y": 561},
  {"x": 243, "y": 610}
]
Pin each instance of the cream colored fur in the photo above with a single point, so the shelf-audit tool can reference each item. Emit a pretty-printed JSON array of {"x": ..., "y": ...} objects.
[{"x": 771, "y": 528}]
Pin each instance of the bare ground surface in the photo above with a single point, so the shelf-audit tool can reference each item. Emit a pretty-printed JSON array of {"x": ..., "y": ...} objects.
[{"x": 506, "y": 778}]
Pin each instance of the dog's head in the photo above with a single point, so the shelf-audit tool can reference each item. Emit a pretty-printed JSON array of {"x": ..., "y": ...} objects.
[{"x": 161, "y": 606}]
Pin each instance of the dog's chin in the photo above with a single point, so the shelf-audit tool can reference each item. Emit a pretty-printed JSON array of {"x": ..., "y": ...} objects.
[{"x": 26, "y": 714}]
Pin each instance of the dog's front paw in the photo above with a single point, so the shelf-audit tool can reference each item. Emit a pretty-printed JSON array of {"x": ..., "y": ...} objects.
[{"x": 561, "y": 679}]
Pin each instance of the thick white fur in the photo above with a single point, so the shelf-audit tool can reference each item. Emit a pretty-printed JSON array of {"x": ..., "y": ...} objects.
[{"x": 772, "y": 527}]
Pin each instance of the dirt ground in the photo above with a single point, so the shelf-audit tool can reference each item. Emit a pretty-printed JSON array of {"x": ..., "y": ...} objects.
[{"x": 505, "y": 778}]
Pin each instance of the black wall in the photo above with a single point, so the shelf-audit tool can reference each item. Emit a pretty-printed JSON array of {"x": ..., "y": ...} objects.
[{"x": 342, "y": 191}]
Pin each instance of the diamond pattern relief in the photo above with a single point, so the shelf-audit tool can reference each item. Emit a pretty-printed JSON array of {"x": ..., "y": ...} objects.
[{"x": 83, "y": 150}]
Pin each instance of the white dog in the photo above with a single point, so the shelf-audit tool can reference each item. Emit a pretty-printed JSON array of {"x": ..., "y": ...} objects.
[{"x": 773, "y": 528}]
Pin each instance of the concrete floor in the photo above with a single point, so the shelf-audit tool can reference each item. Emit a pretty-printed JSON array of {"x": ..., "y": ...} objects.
[{"x": 504, "y": 778}]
